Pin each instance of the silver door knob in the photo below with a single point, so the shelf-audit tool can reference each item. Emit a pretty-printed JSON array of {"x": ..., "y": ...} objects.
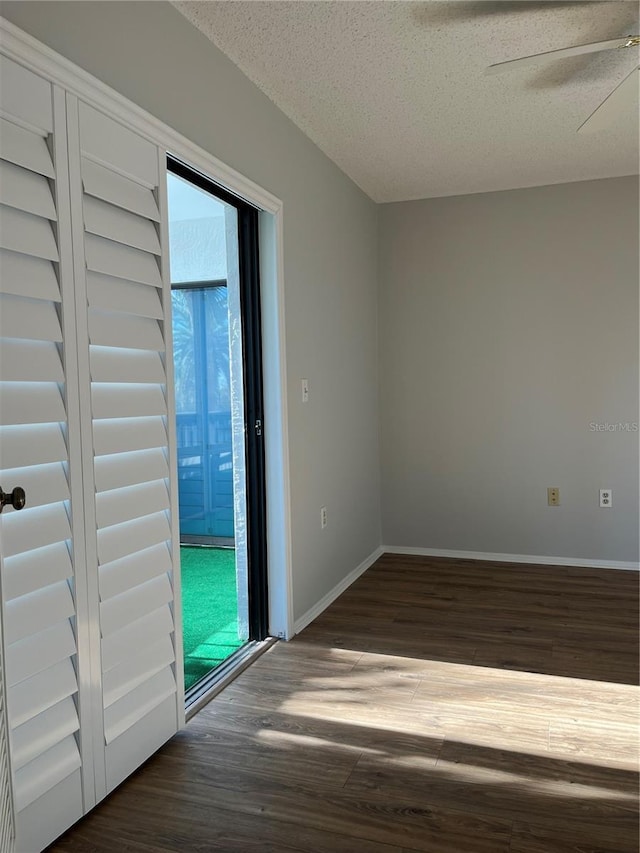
[{"x": 17, "y": 498}]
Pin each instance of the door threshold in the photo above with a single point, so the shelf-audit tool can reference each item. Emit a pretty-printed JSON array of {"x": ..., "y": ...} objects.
[{"x": 207, "y": 688}]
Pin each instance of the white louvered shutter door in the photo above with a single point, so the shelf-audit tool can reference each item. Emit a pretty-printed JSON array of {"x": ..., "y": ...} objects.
[
  {"x": 126, "y": 414},
  {"x": 39, "y": 438}
]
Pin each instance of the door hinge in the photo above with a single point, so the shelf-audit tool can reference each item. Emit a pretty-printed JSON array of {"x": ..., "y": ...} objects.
[{"x": 258, "y": 427}]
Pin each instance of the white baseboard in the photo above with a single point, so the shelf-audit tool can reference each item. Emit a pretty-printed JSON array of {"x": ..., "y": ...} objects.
[
  {"x": 511, "y": 558},
  {"x": 338, "y": 589}
]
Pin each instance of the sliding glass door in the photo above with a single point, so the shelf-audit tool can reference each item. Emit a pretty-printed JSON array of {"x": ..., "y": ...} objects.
[{"x": 218, "y": 391}]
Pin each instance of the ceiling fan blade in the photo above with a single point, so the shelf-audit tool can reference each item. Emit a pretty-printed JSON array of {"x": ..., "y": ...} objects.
[
  {"x": 563, "y": 53},
  {"x": 622, "y": 101}
]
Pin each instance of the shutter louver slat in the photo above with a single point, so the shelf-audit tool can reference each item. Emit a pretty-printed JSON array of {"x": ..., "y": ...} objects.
[
  {"x": 31, "y": 403},
  {"x": 32, "y": 614},
  {"x": 25, "y": 149},
  {"x": 34, "y": 528},
  {"x": 41, "y": 774},
  {"x": 30, "y": 319},
  {"x": 121, "y": 226},
  {"x": 45, "y": 730},
  {"x": 26, "y": 233},
  {"x": 40, "y": 692},
  {"x": 110, "y": 364},
  {"x": 34, "y": 569},
  {"x": 127, "y": 537},
  {"x": 134, "y": 569},
  {"x": 24, "y": 275},
  {"x": 30, "y": 444},
  {"x": 26, "y": 190},
  {"x": 126, "y": 400},
  {"x": 101, "y": 183},
  {"x": 133, "y": 604},
  {"x": 36, "y": 654},
  {"x": 128, "y": 469},
  {"x": 137, "y": 669},
  {"x": 119, "y": 436},
  {"x": 124, "y": 330},
  {"x": 44, "y": 484},
  {"x": 35, "y": 361},
  {"x": 120, "y": 261},
  {"x": 117, "y": 146},
  {"x": 135, "y": 705},
  {"x": 117, "y": 647},
  {"x": 119, "y": 505},
  {"x": 26, "y": 96},
  {"x": 109, "y": 294}
]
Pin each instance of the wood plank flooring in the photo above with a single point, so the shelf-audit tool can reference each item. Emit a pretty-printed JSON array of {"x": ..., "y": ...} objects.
[{"x": 438, "y": 705}]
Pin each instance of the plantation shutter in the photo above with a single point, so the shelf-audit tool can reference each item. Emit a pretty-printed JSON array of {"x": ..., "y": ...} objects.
[
  {"x": 39, "y": 449},
  {"x": 124, "y": 302}
]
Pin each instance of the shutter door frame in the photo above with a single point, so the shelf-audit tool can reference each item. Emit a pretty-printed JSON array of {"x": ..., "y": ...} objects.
[
  {"x": 85, "y": 672},
  {"x": 92, "y": 639}
]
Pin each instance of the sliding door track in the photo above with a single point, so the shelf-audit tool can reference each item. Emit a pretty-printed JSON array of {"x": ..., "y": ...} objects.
[{"x": 204, "y": 690}]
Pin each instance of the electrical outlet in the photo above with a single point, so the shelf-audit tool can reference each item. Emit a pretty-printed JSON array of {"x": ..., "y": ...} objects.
[
  {"x": 323, "y": 517},
  {"x": 305, "y": 390},
  {"x": 553, "y": 496},
  {"x": 606, "y": 498}
]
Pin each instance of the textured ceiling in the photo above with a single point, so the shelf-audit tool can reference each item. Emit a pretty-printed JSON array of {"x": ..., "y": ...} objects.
[{"x": 394, "y": 92}]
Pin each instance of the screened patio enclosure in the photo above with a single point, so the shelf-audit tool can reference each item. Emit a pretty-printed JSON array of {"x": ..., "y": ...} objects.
[
  {"x": 201, "y": 366},
  {"x": 203, "y": 413}
]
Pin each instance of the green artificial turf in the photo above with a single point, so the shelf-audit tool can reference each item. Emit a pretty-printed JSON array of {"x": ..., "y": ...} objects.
[{"x": 209, "y": 609}]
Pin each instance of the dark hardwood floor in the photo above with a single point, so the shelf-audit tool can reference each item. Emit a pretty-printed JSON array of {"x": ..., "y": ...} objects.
[{"x": 439, "y": 705}]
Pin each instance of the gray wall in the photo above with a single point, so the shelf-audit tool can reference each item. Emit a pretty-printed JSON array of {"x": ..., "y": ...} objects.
[
  {"x": 151, "y": 54},
  {"x": 509, "y": 324}
]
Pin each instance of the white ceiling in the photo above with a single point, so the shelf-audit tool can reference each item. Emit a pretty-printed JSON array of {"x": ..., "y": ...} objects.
[{"x": 394, "y": 92}]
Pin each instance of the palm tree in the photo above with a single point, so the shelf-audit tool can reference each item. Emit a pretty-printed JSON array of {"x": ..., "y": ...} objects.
[{"x": 183, "y": 351}]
